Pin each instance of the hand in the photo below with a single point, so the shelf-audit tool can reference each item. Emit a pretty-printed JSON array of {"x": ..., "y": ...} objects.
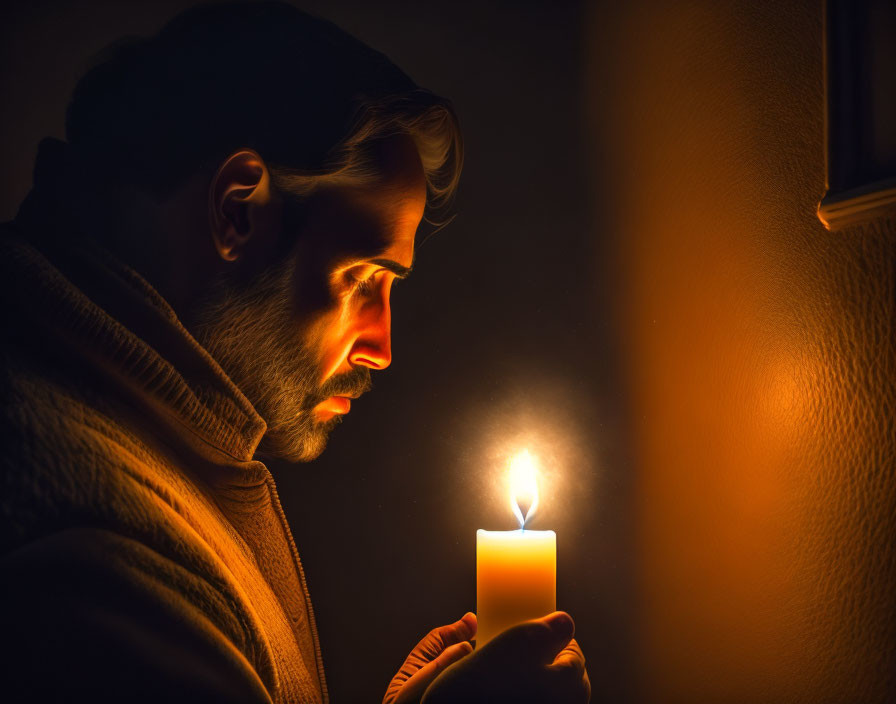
[
  {"x": 440, "y": 648},
  {"x": 536, "y": 661}
]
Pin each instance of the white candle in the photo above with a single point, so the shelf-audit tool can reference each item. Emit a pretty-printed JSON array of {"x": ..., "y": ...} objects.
[{"x": 516, "y": 571}]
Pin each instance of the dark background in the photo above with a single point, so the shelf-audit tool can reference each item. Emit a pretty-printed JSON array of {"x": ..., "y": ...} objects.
[
  {"x": 499, "y": 339},
  {"x": 639, "y": 289}
]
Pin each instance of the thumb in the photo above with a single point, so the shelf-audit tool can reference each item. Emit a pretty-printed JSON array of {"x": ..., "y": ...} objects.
[{"x": 538, "y": 641}]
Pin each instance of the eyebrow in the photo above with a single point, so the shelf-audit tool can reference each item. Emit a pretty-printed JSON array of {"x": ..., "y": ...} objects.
[{"x": 400, "y": 271}]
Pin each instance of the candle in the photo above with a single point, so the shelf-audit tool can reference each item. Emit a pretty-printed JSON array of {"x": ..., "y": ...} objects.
[{"x": 516, "y": 571}]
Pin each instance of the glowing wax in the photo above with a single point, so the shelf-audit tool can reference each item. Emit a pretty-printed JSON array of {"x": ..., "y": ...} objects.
[{"x": 516, "y": 579}]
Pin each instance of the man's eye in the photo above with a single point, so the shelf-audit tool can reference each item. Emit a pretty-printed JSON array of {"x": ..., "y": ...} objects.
[{"x": 363, "y": 287}]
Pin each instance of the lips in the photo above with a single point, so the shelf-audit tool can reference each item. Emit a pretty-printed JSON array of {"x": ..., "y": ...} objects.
[
  {"x": 336, "y": 404},
  {"x": 337, "y": 392}
]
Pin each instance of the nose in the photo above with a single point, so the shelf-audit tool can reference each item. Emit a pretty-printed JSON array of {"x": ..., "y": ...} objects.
[{"x": 373, "y": 346}]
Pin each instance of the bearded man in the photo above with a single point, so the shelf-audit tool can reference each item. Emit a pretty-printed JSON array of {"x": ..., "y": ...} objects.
[{"x": 201, "y": 278}]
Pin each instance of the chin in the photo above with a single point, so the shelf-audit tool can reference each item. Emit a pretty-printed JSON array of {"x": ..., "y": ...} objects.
[{"x": 302, "y": 444}]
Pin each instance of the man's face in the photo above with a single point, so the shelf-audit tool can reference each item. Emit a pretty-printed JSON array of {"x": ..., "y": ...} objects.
[{"x": 301, "y": 338}]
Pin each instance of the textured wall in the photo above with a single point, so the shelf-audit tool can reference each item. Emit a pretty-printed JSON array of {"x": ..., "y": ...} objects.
[{"x": 760, "y": 360}]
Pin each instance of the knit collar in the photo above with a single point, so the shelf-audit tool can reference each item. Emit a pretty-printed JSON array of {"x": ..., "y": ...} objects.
[{"x": 81, "y": 296}]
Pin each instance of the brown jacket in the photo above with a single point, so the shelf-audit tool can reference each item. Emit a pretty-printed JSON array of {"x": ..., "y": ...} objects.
[{"x": 145, "y": 555}]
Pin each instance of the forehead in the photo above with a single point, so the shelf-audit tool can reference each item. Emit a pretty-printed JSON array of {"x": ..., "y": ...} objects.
[{"x": 378, "y": 218}]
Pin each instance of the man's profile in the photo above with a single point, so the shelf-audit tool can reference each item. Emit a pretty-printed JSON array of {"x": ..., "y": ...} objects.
[{"x": 200, "y": 278}]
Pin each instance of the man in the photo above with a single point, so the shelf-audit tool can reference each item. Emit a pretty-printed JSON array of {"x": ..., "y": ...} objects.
[{"x": 200, "y": 277}]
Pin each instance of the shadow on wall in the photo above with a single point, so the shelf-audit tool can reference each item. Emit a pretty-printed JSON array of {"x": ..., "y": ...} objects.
[{"x": 760, "y": 361}]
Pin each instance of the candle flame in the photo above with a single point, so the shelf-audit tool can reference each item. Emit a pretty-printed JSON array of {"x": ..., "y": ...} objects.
[{"x": 523, "y": 487}]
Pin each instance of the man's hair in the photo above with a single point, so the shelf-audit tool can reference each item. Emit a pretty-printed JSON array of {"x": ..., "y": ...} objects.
[{"x": 312, "y": 100}]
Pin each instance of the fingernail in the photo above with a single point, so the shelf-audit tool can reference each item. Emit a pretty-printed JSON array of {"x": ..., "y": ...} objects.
[{"x": 561, "y": 623}]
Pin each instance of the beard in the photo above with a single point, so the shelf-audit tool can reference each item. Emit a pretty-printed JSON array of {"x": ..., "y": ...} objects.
[{"x": 252, "y": 332}]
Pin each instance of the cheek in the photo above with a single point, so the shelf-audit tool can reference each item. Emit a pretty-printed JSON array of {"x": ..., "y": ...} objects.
[
  {"x": 312, "y": 290},
  {"x": 317, "y": 311},
  {"x": 329, "y": 337},
  {"x": 313, "y": 298}
]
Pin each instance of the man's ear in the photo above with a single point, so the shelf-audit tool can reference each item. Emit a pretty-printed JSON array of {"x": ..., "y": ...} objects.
[{"x": 240, "y": 204}]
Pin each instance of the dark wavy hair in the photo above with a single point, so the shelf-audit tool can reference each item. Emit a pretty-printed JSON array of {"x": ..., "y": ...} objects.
[{"x": 308, "y": 97}]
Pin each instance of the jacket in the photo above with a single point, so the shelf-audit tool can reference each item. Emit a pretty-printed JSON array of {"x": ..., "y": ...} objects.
[{"x": 145, "y": 554}]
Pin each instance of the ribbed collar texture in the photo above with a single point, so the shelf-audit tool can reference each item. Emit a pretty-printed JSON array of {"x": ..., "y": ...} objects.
[{"x": 81, "y": 298}]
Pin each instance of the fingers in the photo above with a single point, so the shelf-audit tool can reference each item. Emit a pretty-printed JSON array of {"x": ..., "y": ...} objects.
[
  {"x": 413, "y": 689},
  {"x": 569, "y": 674},
  {"x": 561, "y": 624},
  {"x": 464, "y": 629},
  {"x": 536, "y": 661},
  {"x": 440, "y": 638},
  {"x": 538, "y": 641},
  {"x": 439, "y": 648},
  {"x": 570, "y": 658},
  {"x": 471, "y": 623},
  {"x": 586, "y": 681}
]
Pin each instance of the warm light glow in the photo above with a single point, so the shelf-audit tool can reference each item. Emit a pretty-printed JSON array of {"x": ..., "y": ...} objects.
[{"x": 523, "y": 487}]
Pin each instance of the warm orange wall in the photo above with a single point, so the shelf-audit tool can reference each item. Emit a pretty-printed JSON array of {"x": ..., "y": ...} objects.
[{"x": 760, "y": 352}]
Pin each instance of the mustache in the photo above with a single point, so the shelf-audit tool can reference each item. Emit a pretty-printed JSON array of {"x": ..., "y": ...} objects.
[{"x": 353, "y": 383}]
